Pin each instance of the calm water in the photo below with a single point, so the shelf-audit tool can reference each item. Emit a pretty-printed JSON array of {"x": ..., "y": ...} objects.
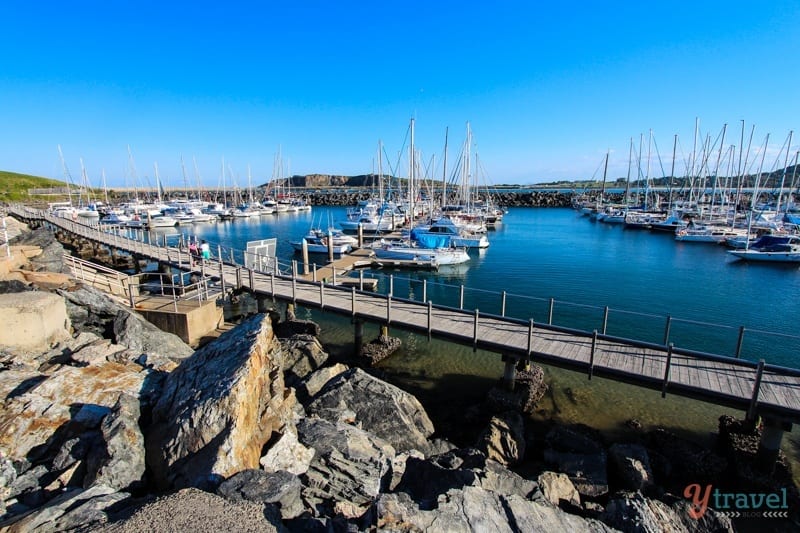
[{"x": 538, "y": 254}]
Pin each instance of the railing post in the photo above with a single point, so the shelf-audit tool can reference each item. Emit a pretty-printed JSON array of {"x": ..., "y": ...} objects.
[
  {"x": 353, "y": 301},
  {"x": 252, "y": 279},
  {"x": 424, "y": 290},
  {"x": 461, "y": 298},
  {"x": 475, "y": 331},
  {"x": 391, "y": 284},
  {"x": 591, "y": 354},
  {"x": 666, "y": 371},
  {"x": 294, "y": 288},
  {"x": 550, "y": 312},
  {"x": 503, "y": 304},
  {"x": 667, "y": 328},
  {"x": 314, "y": 274},
  {"x": 361, "y": 280},
  {"x": 389, "y": 308},
  {"x": 430, "y": 313},
  {"x": 238, "y": 277},
  {"x": 272, "y": 285},
  {"x": 530, "y": 339},
  {"x": 739, "y": 342},
  {"x": 334, "y": 275},
  {"x": 605, "y": 319},
  {"x": 322, "y": 296},
  {"x": 751, "y": 411}
]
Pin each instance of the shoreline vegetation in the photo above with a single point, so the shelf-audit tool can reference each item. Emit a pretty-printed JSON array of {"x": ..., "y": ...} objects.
[{"x": 110, "y": 424}]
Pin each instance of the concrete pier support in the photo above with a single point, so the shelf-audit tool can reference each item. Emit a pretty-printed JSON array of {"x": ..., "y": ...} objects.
[
  {"x": 384, "y": 331},
  {"x": 358, "y": 337},
  {"x": 290, "y": 316},
  {"x": 261, "y": 303},
  {"x": 509, "y": 370},
  {"x": 770, "y": 444}
]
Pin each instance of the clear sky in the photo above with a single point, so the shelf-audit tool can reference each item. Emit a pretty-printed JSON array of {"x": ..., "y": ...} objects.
[{"x": 547, "y": 87}]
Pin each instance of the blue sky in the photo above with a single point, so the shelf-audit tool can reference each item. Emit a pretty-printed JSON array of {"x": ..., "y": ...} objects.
[{"x": 547, "y": 89}]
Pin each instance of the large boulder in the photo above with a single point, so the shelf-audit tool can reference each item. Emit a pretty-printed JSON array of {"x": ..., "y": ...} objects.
[
  {"x": 579, "y": 453},
  {"x": 379, "y": 408},
  {"x": 631, "y": 466},
  {"x": 303, "y": 354},
  {"x": 280, "y": 488},
  {"x": 219, "y": 408},
  {"x": 477, "y": 509},
  {"x": 43, "y": 411},
  {"x": 350, "y": 466},
  {"x": 557, "y": 488},
  {"x": 287, "y": 454},
  {"x": 634, "y": 512},
  {"x": 52, "y": 257}
]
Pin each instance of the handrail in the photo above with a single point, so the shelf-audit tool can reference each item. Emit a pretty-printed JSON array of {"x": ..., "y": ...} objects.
[{"x": 228, "y": 255}]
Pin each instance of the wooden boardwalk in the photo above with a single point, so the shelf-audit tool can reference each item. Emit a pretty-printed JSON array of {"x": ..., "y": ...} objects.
[{"x": 757, "y": 388}]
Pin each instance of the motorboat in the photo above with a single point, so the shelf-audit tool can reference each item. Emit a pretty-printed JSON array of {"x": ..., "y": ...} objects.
[
  {"x": 406, "y": 251},
  {"x": 771, "y": 248},
  {"x": 444, "y": 232}
]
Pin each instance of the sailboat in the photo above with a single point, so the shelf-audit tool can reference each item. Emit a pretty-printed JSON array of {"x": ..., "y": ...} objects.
[{"x": 409, "y": 251}]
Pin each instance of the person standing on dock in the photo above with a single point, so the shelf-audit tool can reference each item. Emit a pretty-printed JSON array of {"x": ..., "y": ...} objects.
[{"x": 205, "y": 250}]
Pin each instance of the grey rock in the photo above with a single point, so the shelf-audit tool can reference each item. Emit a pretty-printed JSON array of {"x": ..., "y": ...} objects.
[
  {"x": 427, "y": 479},
  {"x": 281, "y": 488},
  {"x": 632, "y": 512},
  {"x": 350, "y": 467},
  {"x": 120, "y": 463},
  {"x": 28, "y": 481},
  {"x": 588, "y": 472},
  {"x": 631, "y": 465},
  {"x": 557, "y": 487},
  {"x": 52, "y": 257},
  {"x": 69, "y": 510},
  {"x": 303, "y": 354},
  {"x": 380, "y": 348},
  {"x": 529, "y": 388},
  {"x": 139, "y": 335},
  {"x": 314, "y": 383},
  {"x": 287, "y": 454},
  {"x": 504, "y": 438},
  {"x": 477, "y": 509},
  {"x": 380, "y": 408}
]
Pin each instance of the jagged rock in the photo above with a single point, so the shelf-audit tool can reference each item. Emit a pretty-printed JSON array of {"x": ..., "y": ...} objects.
[
  {"x": 12, "y": 286},
  {"x": 380, "y": 348},
  {"x": 314, "y": 383},
  {"x": 529, "y": 387},
  {"x": 557, "y": 487},
  {"x": 119, "y": 464},
  {"x": 35, "y": 423},
  {"x": 681, "y": 461},
  {"x": 504, "y": 438},
  {"x": 195, "y": 510},
  {"x": 303, "y": 354},
  {"x": 427, "y": 479},
  {"x": 380, "y": 408},
  {"x": 52, "y": 257},
  {"x": 291, "y": 326},
  {"x": 631, "y": 465},
  {"x": 635, "y": 513},
  {"x": 578, "y": 452},
  {"x": 219, "y": 408},
  {"x": 68, "y": 511},
  {"x": 281, "y": 488},
  {"x": 476, "y": 509},
  {"x": 8, "y": 474},
  {"x": 399, "y": 466},
  {"x": 287, "y": 454},
  {"x": 139, "y": 335},
  {"x": 350, "y": 465}
]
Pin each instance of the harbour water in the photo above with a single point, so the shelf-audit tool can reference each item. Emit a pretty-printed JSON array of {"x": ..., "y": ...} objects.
[{"x": 539, "y": 254}]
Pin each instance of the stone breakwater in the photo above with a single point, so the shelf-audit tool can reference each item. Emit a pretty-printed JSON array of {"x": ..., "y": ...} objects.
[
  {"x": 262, "y": 430},
  {"x": 505, "y": 199}
]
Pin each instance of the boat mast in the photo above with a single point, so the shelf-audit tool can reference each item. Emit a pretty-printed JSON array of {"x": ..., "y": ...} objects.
[
  {"x": 628, "y": 178},
  {"x": 444, "y": 170},
  {"x": 672, "y": 171},
  {"x": 783, "y": 173},
  {"x": 716, "y": 170},
  {"x": 411, "y": 176},
  {"x": 647, "y": 174}
]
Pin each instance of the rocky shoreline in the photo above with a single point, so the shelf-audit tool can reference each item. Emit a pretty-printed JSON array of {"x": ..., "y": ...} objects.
[{"x": 109, "y": 424}]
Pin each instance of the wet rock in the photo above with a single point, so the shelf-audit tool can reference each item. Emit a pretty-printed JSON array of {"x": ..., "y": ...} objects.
[
  {"x": 529, "y": 388},
  {"x": 379, "y": 408},
  {"x": 379, "y": 349},
  {"x": 680, "y": 461},
  {"x": 578, "y": 452},
  {"x": 219, "y": 408}
]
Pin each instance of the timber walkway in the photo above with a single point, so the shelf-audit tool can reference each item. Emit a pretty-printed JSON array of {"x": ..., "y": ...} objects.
[{"x": 757, "y": 388}]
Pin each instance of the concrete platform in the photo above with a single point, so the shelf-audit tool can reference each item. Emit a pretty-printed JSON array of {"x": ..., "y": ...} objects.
[{"x": 188, "y": 319}]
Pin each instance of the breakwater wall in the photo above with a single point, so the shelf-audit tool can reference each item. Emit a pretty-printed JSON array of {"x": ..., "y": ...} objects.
[{"x": 507, "y": 199}]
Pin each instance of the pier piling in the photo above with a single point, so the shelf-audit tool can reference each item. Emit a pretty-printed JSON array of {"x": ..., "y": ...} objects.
[{"x": 509, "y": 371}]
